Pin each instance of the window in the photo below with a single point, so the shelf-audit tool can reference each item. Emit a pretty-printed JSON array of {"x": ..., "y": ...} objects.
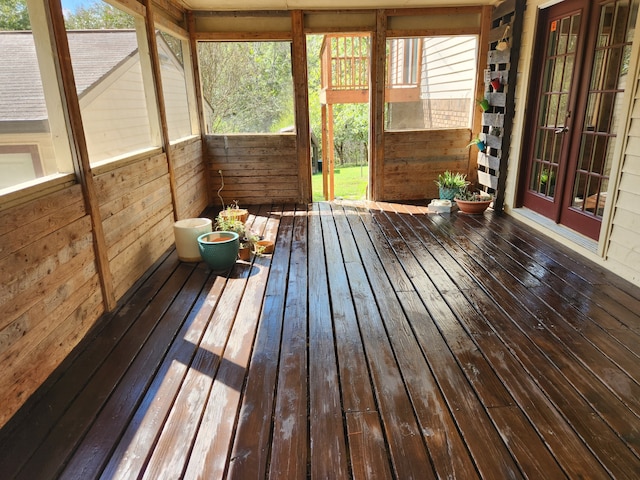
[
  {"x": 111, "y": 67},
  {"x": 430, "y": 82},
  {"x": 19, "y": 164},
  {"x": 247, "y": 86},
  {"x": 33, "y": 146},
  {"x": 175, "y": 85}
]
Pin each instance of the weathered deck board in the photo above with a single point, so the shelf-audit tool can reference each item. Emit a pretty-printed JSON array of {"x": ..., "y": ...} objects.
[{"x": 377, "y": 341}]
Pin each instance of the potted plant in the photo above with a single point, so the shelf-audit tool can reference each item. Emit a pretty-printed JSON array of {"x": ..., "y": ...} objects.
[
  {"x": 246, "y": 238},
  {"x": 263, "y": 247},
  {"x": 483, "y": 103},
  {"x": 450, "y": 183},
  {"x": 478, "y": 143},
  {"x": 547, "y": 177},
  {"x": 473, "y": 202},
  {"x": 219, "y": 250},
  {"x": 234, "y": 212}
]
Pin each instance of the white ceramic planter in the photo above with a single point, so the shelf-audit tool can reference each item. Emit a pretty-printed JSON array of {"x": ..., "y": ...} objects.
[{"x": 186, "y": 233}]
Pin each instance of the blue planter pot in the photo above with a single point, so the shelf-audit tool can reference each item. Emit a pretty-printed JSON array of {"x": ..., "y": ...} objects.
[
  {"x": 447, "y": 193},
  {"x": 219, "y": 249}
]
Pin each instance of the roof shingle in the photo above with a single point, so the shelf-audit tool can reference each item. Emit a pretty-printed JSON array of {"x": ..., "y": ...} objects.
[{"x": 94, "y": 54}]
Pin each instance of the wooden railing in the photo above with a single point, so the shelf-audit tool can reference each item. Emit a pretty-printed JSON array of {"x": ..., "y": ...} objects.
[
  {"x": 345, "y": 62},
  {"x": 345, "y": 70}
]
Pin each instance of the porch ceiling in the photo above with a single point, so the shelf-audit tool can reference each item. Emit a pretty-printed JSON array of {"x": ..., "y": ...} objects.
[{"x": 324, "y": 4}]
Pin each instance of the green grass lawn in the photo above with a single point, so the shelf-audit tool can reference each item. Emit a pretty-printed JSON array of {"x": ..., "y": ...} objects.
[{"x": 350, "y": 183}]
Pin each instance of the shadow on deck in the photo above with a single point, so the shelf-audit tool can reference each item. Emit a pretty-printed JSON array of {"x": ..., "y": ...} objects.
[{"x": 376, "y": 341}]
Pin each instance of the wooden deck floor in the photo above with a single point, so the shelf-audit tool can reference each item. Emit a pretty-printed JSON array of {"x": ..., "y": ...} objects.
[{"x": 375, "y": 342}]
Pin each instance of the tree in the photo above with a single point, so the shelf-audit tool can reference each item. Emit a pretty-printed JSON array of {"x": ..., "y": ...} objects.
[
  {"x": 248, "y": 85},
  {"x": 314, "y": 43},
  {"x": 99, "y": 15},
  {"x": 14, "y": 15},
  {"x": 351, "y": 132}
]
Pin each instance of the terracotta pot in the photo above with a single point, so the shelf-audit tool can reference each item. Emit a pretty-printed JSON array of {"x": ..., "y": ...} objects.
[
  {"x": 264, "y": 246},
  {"x": 240, "y": 214},
  {"x": 244, "y": 253},
  {"x": 473, "y": 208}
]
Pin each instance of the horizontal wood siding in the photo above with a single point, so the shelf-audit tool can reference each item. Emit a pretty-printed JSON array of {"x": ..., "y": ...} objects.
[
  {"x": 624, "y": 242},
  {"x": 137, "y": 215},
  {"x": 413, "y": 160},
  {"x": 189, "y": 168},
  {"x": 257, "y": 169},
  {"x": 50, "y": 294}
]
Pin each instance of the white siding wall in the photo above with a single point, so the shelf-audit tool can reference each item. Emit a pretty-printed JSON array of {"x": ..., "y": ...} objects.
[
  {"x": 624, "y": 242},
  {"x": 449, "y": 67},
  {"x": 116, "y": 120}
]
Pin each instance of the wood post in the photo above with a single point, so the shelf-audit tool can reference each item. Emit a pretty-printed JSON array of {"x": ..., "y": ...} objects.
[
  {"x": 159, "y": 96},
  {"x": 376, "y": 107},
  {"x": 79, "y": 149},
  {"x": 325, "y": 151},
  {"x": 301, "y": 99}
]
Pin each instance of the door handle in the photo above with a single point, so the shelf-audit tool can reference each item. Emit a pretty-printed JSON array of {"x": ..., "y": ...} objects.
[{"x": 558, "y": 131}]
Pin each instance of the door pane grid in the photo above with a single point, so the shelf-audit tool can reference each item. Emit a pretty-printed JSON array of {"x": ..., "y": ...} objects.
[
  {"x": 607, "y": 83},
  {"x": 554, "y": 105}
]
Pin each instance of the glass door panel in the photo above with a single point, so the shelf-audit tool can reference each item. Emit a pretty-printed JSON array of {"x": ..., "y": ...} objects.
[
  {"x": 554, "y": 110},
  {"x": 586, "y": 55},
  {"x": 608, "y": 75}
]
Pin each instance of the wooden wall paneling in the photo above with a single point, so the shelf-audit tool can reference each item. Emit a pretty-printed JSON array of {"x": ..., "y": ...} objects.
[
  {"x": 134, "y": 261},
  {"x": 51, "y": 292},
  {"x": 193, "y": 194},
  {"x": 413, "y": 160},
  {"x": 80, "y": 152},
  {"x": 31, "y": 221},
  {"x": 50, "y": 352},
  {"x": 31, "y": 287},
  {"x": 257, "y": 169},
  {"x": 128, "y": 178},
  {"x": 301, "y": 99},
  {"x": 136, "y": 204},
  {"x": 140, "y": 207},
  {"x": 37, "y": 269}
]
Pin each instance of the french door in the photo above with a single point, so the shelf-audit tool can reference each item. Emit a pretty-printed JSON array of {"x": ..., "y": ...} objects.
[{"x": 584, "y": 53}]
